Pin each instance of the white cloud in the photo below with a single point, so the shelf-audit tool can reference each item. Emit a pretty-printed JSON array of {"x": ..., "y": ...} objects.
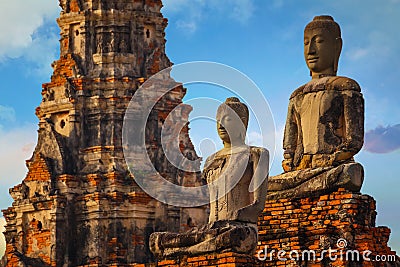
[
  {"x": 2, "y": 239},
  {"x": 187, "y": 26},
  {"x": 368, "y": 40},
  {"x": 7, "y": 113},
  {"x": 16, "y": 146},
  {"x": 42, "y": 52},
  {"x": 377, "y": 46},
  {"x": 193, "y": 12},
  {"x": 19, "y": 20},
  {"x": 358, "y": 53},
  {"x": 174, "y": 5},
  {"x": 242, "y": 10}
]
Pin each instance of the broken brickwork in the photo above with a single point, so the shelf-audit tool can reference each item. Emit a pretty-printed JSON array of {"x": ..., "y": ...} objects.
[{"x": 342, "y": 221}]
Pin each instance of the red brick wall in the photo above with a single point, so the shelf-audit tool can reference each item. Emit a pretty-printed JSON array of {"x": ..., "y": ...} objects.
[
  {"x": 38, "y": 171},
  {"x": 310, "y": 224},
  {"x": 317, "y": 224},
  {"x": 223, "y": 260}
]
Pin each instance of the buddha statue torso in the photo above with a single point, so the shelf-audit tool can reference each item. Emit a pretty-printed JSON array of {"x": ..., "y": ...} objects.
[
  {"x": 325, "y": 116},
  {"x": 229, "y": 178}
]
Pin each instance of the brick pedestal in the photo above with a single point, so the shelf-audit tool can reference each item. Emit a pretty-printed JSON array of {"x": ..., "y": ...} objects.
[
  {"x": 340, "y": 223},
  {"x": 337, "y": 229}
]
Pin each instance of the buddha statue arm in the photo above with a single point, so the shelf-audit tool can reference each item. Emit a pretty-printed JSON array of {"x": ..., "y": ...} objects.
[
  {"x": 290, "y": 138},
  {"x": 353, "y": 115},
  {"x": 211, "y": 188},
  {"x": 257, "y": 187}
]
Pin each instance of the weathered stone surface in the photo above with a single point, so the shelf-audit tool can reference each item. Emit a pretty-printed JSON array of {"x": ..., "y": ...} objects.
[
  {"x": 305, "y": 183},
  {"x": 78, "y": 204},
  {"x": 325, "y": 119},
  {"x": 234, "y": 236},
  {"x": 237, "y": 181},
  {"x": 325, "y": 122}
]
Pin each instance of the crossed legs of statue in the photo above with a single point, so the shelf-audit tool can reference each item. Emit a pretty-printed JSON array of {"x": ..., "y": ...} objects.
[
  {"x": 308, "y": 182},
  {"x": 236, "y": 236}
]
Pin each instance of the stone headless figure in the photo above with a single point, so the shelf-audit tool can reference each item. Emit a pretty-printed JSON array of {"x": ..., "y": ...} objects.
[
  {"x": 325, "y": 122},
  {"x": 237, "y": 181}
]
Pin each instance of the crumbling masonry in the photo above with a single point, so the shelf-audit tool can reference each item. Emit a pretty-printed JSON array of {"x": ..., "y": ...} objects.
[{"x": 78, "y": 204}]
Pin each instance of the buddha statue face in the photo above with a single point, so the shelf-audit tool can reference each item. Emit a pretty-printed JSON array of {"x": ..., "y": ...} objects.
[
  {"x": 322, "y": 46},
  {"x": 232, "y": 119}
]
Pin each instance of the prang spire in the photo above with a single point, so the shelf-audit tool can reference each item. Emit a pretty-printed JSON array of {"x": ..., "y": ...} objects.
[{"x": 78, "y": 204}]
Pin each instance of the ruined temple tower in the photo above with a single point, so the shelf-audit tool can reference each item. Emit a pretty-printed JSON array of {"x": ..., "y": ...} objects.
[{"x": 78, "y": 204}]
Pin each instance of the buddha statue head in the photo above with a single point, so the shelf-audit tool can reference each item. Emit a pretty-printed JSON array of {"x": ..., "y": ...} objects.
[
  {"x": 232, "y": 120},
  {"x": 322, "y": 46}
]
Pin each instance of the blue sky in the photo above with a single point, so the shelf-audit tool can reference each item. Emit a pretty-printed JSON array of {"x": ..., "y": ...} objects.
[{"x": 262, "y": 39}]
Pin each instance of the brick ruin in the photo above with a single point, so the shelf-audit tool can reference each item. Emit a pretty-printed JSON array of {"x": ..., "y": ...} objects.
[
  {"x": 316, "y": 231},
  {"x": 341, "y": 221},
  {"x": 78, "y": 204}
]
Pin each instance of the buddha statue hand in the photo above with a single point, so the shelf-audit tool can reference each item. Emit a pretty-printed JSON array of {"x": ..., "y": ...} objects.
[
  {"x": 327, "y": 160},
  {"x": 341, "y": 156},
  {"x": 287, "y": 163}
]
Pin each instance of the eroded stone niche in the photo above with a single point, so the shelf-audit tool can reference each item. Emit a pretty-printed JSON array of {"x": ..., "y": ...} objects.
[
  {"x": 148, "y": 33},
  {"x": 75, "y": 37},
  {"x": 61, "y": 123}
]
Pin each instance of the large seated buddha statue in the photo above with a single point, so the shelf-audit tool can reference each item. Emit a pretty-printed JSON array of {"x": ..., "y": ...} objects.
[
  {"x": 236, "y": 178},
  {"x": 325, "y": 123}
]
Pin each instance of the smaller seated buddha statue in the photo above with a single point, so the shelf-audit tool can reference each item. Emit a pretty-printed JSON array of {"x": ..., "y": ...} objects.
[{"x": 236, "y": 177}]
